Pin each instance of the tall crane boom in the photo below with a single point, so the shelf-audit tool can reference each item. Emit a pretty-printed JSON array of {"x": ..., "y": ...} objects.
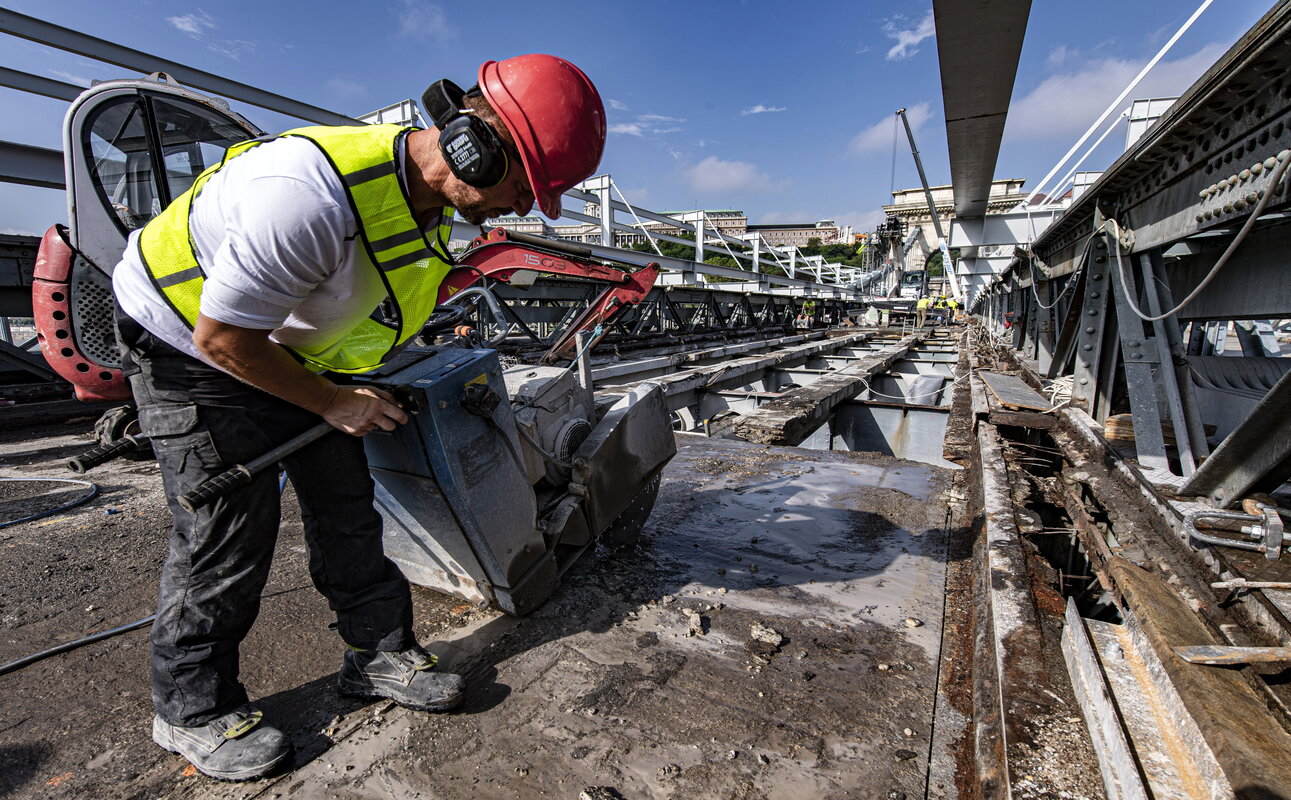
[{"x": 946, "y": 264}]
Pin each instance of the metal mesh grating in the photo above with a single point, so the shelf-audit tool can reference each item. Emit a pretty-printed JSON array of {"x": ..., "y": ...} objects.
[{"x": 92, "y": 307}]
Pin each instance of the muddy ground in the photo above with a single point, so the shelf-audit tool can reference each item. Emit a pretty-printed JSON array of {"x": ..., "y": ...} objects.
[{"x": 641, "y": 674}]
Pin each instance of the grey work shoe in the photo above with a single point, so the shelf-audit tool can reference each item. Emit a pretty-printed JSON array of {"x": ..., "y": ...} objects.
[
  {"x": 406, "y": 677},
  {"x": 234, "y": 747}
]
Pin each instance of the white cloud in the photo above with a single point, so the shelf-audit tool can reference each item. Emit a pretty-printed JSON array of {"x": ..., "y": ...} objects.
[
  {"x": 232, "y": 48},
  {"x": 637, "y": 197},
  {"x": 70, "y": 77},
  {"x": 419, "y": 19},
  {"x": 195, "y": 24},
  {"x": 761, "y": 109},
  {"x": 346, "y": 88},
  {"x": 1058, "y": 55},
  {"x": 647, "y": 125},
  {"x": 617, "y": 106},
  {"x": 908, "y": 39},
  {"x": 878, "y": 137},
  {"x": 715, "y": 176},
  {"x": 785, "y": 217},
  {"x": 1066, "y": 104},
  {"x": 861, "y": 221}
]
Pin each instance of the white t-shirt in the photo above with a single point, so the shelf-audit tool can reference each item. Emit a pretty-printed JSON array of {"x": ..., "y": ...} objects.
[{"x": 279, "y": 246}]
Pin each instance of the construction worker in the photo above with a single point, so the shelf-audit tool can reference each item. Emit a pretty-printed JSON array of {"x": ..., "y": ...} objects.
[
  {"x": 921, "y": 311},
  {"x": 809, "y": 311},
  {"x": 939, "y": 310},
  {"x": 953, "y": 305},
  {"x": 242, "y": 307}
]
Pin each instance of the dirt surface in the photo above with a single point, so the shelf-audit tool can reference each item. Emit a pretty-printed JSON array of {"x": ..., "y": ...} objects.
[{"x": 642, "y": 673}]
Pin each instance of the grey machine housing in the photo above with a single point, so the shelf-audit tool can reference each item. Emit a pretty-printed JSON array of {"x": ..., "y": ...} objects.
[{"x": 504, "y": 477}]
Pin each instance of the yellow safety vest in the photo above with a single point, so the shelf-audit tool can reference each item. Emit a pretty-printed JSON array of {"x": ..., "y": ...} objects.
[
  {"x": 365, "y": 157},
  {"x": 923, "y": 302}
]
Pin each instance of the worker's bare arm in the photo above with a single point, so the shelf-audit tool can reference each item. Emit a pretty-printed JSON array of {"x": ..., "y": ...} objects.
[{"x": 251, "y": 357}]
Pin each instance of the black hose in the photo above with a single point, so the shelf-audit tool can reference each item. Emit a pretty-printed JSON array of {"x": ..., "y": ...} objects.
[
  {"x": 94, "y": 491},
  {"x": 63, "y": 648}
]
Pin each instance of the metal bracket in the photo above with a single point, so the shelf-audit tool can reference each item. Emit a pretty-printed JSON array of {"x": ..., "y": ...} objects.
[{"x": 1266, "y": 533}]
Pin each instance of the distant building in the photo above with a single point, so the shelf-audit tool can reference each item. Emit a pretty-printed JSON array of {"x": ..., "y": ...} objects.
[{"x": 801, "y": 234}]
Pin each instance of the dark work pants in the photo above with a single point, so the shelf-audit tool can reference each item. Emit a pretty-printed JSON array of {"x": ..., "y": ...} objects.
[{"x": 202, "y": 421}]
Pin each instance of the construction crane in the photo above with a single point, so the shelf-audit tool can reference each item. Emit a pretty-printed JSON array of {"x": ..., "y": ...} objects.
[{"x": 947, "y": 265}]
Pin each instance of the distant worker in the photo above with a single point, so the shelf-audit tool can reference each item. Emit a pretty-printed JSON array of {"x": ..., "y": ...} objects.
[
  {"x": 953, "y": 305},
  {"x": 245, "y": 303},
  {"x": 921, "y": 311},
  {"x": 939, "y": 310},
  {"x": 809, "y": 311}
]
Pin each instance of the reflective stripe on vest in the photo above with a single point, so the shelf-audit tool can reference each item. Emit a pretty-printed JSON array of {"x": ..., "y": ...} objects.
[{"x": 365, "y": 158}]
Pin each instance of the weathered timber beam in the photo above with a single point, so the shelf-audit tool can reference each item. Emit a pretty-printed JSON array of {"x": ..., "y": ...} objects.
[
  {"x": 791, "y": 419},
  {"x": 680, "y": 387},
  {"x": 1251, "y": 747}
]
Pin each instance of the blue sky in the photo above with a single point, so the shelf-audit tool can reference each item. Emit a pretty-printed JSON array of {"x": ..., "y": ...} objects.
[{"x": 781, "y": 110}]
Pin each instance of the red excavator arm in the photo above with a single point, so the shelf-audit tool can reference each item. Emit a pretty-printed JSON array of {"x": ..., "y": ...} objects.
[{"x": 509, "y": 257}]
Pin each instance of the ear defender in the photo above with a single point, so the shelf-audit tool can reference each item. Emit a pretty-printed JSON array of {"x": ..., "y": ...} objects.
[{"x": 471, "y": 147}]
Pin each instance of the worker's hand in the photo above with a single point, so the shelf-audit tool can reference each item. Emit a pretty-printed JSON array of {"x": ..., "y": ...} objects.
[{"x": 357, "y": 410}]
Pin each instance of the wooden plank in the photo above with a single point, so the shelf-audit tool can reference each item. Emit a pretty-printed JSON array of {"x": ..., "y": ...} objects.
[
  {"x": 1022, "y": 419},
  {"x": 1251, "y": 746},
  {"x": 790, "y": 419},
  {"x": 1011, "y": 392}
]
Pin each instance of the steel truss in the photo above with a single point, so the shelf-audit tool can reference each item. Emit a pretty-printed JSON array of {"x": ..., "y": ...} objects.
[
  {"x": 1142, "y": 239},
  {"x": 669, "y": 314}
]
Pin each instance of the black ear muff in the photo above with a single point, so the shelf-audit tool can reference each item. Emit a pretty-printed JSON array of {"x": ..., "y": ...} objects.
[{"x": 471, "y": 147}]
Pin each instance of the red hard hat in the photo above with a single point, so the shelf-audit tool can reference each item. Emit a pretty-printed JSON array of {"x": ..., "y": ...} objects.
[{"x": 555, "y": 116}]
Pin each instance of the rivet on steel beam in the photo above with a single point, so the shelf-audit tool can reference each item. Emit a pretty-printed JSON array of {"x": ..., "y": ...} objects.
[
  {"x": 1088, "y": 346},
  {"x": 1239, "y": 204},
  {"x": 1089, "y": 330},
  {"x": 1214, "y": 188},
  {"x": 1270, "y": 163},
  {"x": 1257, "y": 167},
  {"x": 1095, "y": 295},
  {"x": 1098, "y": 277},
  {"x": 1222, "y": 185},
  {"x": 1244, "y": 175},
  {"x": 1093, "y": 312},
  {"x": 1100, "y": 259},
  {"x": 1228, "y": 208},
  {"x": 1084, "y": 364},
  {"x": 1136, "y": 355},
  {"x": 1135, "y": 344},
  {"x": 1284, "y": 155},
  {"x": 1100, "y": 244},
  {"x": 1200, "y": 218},
  {"x": 1084, "y": 381}
]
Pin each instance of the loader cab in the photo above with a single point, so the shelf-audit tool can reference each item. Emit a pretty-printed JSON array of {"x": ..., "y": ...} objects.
[
  {"x": 130, "y": 147},
  {"x": 133, "y": 146}
]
